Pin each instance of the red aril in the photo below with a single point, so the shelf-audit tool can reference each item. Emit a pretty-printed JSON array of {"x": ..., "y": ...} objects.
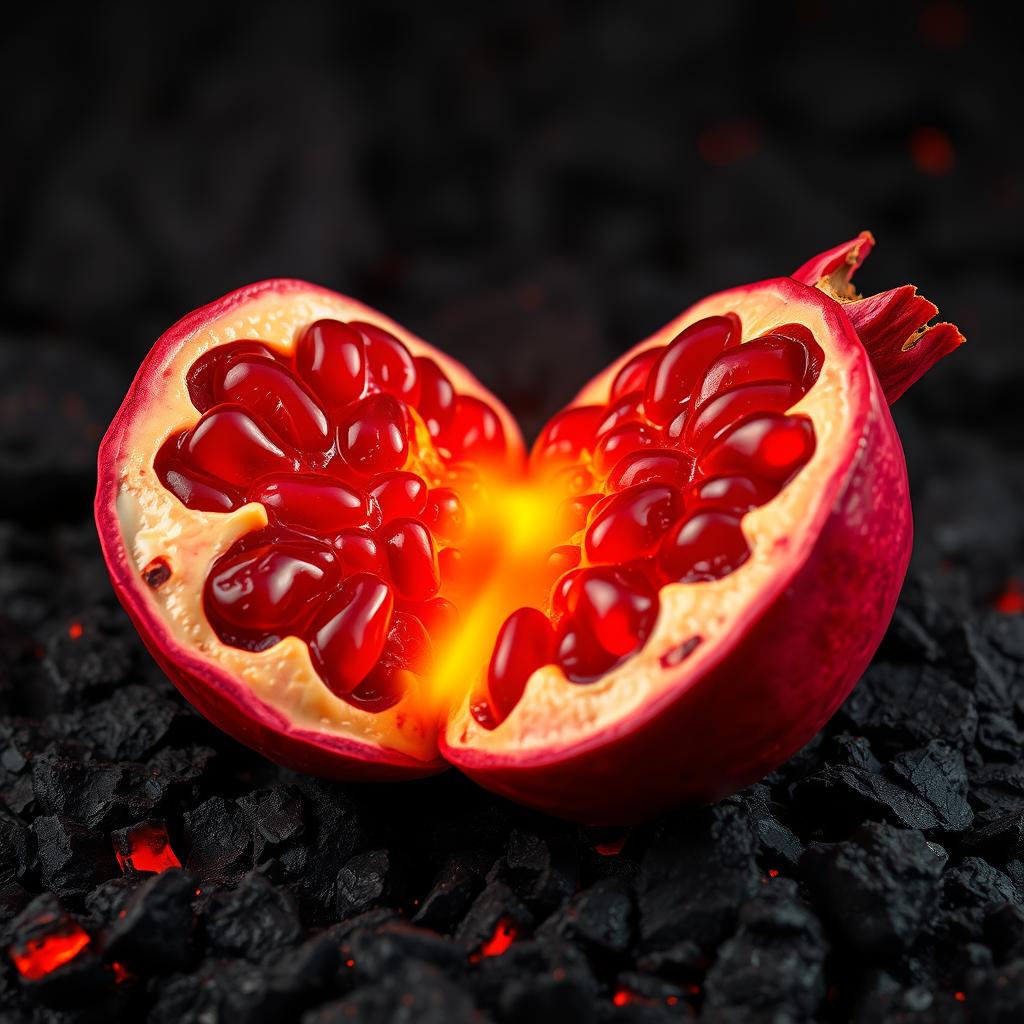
[{"x": 329, "y": 536}]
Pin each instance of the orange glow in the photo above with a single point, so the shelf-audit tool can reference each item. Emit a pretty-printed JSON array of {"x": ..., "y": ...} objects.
[
  {"x": 960, "y": 997},
  {"x": 150, "y": 850},
  {"x": 932, "y": 151},
  {"x": 1011, "y": 600},
  {"x": 622, "y": 997},
  {"x": 38, "y": 957},
  {"x": 75, "y": 630}
]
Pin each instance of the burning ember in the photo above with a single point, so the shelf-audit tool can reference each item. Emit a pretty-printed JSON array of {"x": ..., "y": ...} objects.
[
  {"x": 145, "y": 847},
  {"x": 58, "y": 939}
]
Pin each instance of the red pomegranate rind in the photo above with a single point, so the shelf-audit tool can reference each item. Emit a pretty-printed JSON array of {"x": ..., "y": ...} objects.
[
  {"x": 218, "y": 692},
  {"x": 893, "y": 326}
]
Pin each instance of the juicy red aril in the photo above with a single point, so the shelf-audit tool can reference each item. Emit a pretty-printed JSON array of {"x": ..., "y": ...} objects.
[
  {"x": 437, "y": 396},
  {"x": 572, "y": 513},
  {"x": 412, "y": 559},
  {"x": 229, "y": 445},
  {"x": 579, "y": 654},
  {"x": 802, "y": 336},
  {"x": 633, "y": 523},
  {"x": 620, "y": 441},
  {"x": 672, "y": 378},
  {"x": 561, "y": 559},
  {"x": 706, "y": 546},
  {"x": 389, "y": 363},
  {"x": 712, "y": 418},
  {"x": 618, "y": 606},
  {"x": 444, "y": 513},
  {"x": 762, "y": 360},
  {"x": 651, "y": 465},
  {"x": 475, "y": 433},
  {"x": 349, "y": 635},
  {"x": 330, "y": 359},
  {"x": 407, "y": 652},
  {"x": 374, "y": 436},
  {"x": 192, "y": 489},
  {"x": 568, "y": 434},
  {"x": 266, "y": 591},
  {"x": 274, "y": 397},
  {"x": 318, "y": 504},
  {"x": 729, "y": 493},
  {"x": 627, "y": 409},
  {"x": 573, "y": 480},
  {"x": 399, "y": 494},
  {"x": 204, "y": 374},
  {"x": 525, "y": 643},
  {"x": 772, "y": 446},
  {"x": 359, "y": 552},
  {"x": 439, "y": 617},
  {"x": 634, "y": 373}
]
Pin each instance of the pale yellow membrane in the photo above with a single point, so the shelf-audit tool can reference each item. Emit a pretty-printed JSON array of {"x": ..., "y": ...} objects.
[{"x": 554, "y": 712}]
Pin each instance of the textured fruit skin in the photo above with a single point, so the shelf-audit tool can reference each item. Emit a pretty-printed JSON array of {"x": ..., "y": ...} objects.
[
  {"x": 211, "y": 690},
  {"x": 771, "y": 685}
]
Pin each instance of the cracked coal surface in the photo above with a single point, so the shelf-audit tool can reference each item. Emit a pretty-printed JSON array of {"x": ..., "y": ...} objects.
[{"x": 534, "y": 191}]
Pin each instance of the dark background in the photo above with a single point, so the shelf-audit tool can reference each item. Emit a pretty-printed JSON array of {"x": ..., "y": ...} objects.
[{"x": 533, "y": 190}]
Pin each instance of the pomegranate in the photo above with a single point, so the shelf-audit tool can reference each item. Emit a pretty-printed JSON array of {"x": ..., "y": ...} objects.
[{"x": 331, "y": 537}]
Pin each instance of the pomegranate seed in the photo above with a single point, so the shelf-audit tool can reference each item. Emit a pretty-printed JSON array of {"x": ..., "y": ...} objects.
[
  {"x": 205, "y": 373},
  {"x": 621, "y": 441},
  {"x": 634, "y": 373},
  {"x": 444, "y": 513},
  {"x": 399, "y": 494},
  {"x": 568, "y": 434},
  {"x": 706, "y": 546},
  {"x": 579, "y": 655},
  {"x": 389, "y": 363},
  {"x": 374, "y": 437},
  {"x": 315, "y": 503},
  {"x": 382, "y": 688},
  {"x": 633, "y": 523},
  {"x": 572, "y": 513},
  {"x": 677, "y": 372},
  {"x": 627, "y": 409},
  {"x": 437, "y": 396},
  {"x": 453, "y": 567},
  {"x": 525, "y": 643},
  {"x": 329, "y": 357},
  {"x": 772, "y": 446},
  {"x": 561, "y": 559},
  {"x": 476, "y": 432},
  {"x": 191, "y": 488},
  {"x": 359, "y": 552},
  {"x": 729, "y": 493},
  {"x": 274, "y": 397},
  {"x": 351, "y": 632},
  {"x": 651, "y": 465},
  {"x": 408, "y": 645},
  {"x": 228, "y": 444},
  {"x": 565, "y": 593},
  {"x": 713, "y": 418},
  {"x": 268, "y": 589},
  {"x": 412, "y": 559},
  {"x": 439, "y": 617},
  {"x": 762, "y": 360},
  {"x": 618, "y": 606},
  {"x": 572, "y": 480},
  {"x": 803, "y": 336}
]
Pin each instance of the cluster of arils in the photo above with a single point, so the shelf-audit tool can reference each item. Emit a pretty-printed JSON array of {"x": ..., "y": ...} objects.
[
  {"x": 694, "y": 434},
  {"x": 363, "y": 457}
]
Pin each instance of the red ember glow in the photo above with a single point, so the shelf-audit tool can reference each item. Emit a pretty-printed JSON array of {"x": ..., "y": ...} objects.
[
  {"x": 150, "y": 850},
  {"x": 38, "y": 957},
  {"x": 504, "y": 933},
  {"x": 960, "y": 997},
  {"x": 75, "y": 630},
  {"x": 1011, "y": 600}
]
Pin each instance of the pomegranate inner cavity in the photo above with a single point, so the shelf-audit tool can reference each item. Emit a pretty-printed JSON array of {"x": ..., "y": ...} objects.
[{"x": 402, "y": 551}]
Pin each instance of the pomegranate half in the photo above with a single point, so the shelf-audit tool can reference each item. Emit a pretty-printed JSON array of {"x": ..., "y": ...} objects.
[{"x": 332, "y": 539}]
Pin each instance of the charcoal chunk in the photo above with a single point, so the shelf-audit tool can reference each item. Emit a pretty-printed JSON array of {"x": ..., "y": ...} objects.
[
  {"x": 601, "y": 917},
  {"x": 218, "y": 840},
  {"x": 275, "y": 816},
  {"x": 72, "y": 858},
  {"x": 542, "y": 872},
  {"x": 777, "y": 842},
  {"x": 17, "y": 848},
  {"x": 154, "y": 933},
  {"x": 875, "y": 888},
  {"x": 453, "y": 890},
  {"x": 253, "y": 920},
  {"x": 996, "y": 994},
  {"x": 695, "y": 875},
  {"x": 379, "y": 950},
  {"x": 775, "y": 962},
  {"x": 128, "y": 725},
  {"x": 368, "y": 879},
  {"x": 497, "y": 906}
]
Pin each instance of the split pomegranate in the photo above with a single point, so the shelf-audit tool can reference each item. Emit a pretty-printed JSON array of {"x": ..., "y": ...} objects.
[{"x": 331, "y": 537}]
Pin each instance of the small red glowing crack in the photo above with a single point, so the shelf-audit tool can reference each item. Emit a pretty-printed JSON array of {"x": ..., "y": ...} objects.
[
  {"x": 145, "y": 847},
  {"x": 37, "y": 957},
  {"x": 503, "y": 936}
]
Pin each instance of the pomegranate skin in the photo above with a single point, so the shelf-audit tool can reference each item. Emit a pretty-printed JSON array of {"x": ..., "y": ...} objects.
[
  {"x": 757, "y": 704},
  {"x": 212, "y": 690}
]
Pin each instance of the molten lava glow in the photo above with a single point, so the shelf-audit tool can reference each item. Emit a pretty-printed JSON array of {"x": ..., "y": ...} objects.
[
  {"x": 507, "y": 556},
  {"x": 38, "y": 957},
  {"x": 150, "y": 851},
  {"x": 1011, "y": 600},
  {"x": 504, "y": 934}
]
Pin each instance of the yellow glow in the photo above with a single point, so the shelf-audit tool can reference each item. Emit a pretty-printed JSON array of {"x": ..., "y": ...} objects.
[{"x": 511, "y": 544}]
